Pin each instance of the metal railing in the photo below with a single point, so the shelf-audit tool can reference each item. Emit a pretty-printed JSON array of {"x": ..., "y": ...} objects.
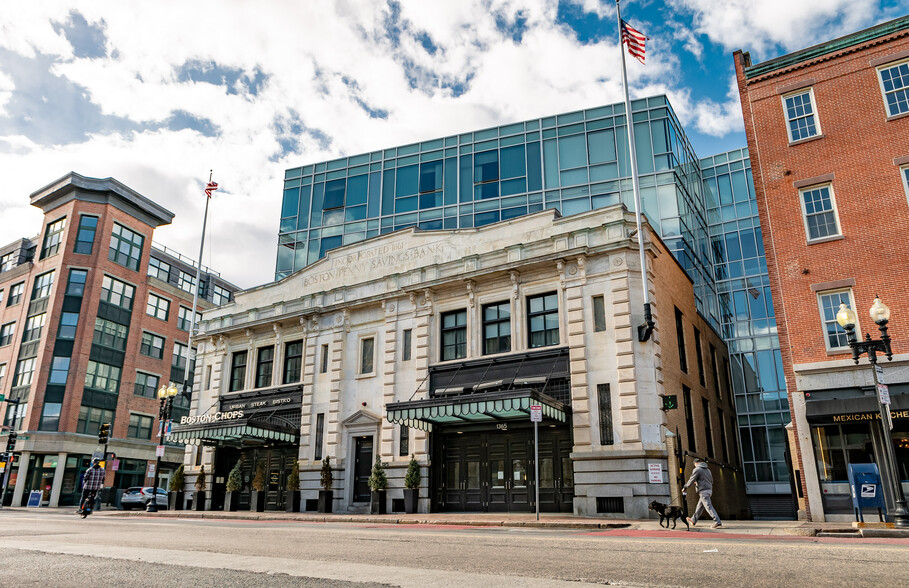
[{"x": 184, "y": 259}]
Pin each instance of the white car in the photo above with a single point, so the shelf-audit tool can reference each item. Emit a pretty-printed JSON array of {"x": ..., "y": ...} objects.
[{"x": 139, "y": 497}]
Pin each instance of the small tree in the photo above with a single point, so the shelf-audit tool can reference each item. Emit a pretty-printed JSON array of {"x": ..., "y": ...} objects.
[
  {"x": 200, "y": 480},
  {"x": 293, "y": 482},
  {"x": 177, "y": 480},
  {"x": 235, "y": 479},
  {"x": 326, "y": 480},
  {"x": 377, "y": 479},
  {"x": 258, "y": 482},
  {"x": 412, "y": 478}
]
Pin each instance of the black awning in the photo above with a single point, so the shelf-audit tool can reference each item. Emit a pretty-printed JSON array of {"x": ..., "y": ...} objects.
[
  {"x": 839, "y": 410},
  {"x": 232, "y": 432}
]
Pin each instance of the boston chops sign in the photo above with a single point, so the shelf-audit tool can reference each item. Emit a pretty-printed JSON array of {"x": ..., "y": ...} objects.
[{"x": 254, "y": 403}]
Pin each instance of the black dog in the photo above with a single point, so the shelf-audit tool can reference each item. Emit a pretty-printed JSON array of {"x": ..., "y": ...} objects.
[{"x": 669, "y": 513}]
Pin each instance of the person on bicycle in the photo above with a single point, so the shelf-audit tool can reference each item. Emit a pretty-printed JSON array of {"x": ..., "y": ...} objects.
[{"x": 91, "y": 483}]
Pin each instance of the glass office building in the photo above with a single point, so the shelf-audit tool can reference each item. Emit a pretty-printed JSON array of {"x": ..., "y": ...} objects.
[{"x": 748, "y": 326}]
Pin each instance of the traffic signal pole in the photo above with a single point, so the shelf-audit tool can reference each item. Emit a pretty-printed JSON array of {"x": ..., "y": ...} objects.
[{"x": 9, "y": 450}]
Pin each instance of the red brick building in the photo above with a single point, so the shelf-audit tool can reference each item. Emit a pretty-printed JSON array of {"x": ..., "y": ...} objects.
[
  {"x": 94, "y": 318},
  {"x": 828, "y": 134}
]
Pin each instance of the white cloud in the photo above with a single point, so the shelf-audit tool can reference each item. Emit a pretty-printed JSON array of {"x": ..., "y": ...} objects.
[{"x": 7, "y": 85}]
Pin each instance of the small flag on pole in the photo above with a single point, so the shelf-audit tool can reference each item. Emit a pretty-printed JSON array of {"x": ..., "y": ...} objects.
[
  {"x": 212, "y": 186},
  {"x": 635, "y": 41}
]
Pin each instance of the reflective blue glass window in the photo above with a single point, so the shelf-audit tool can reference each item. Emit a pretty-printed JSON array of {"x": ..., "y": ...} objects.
[
  {"x": 486, "y": 166},
  {"x": 602, "y": 146},
  {"x": 388, "y": 191},
  {"x": 551, "y": 163},
  {"x": 513, "y": 164},
  {"x": 355, "y": 213},
  {"x": 357, "y": 190},
  {"x": 375, "y": 194},
  {"x": 329, "y": 243},
  {"x": 739, "y": 186},
  {"x": 315, "y": 219},
  {"x": 291, "y": 201},
  {"x": 518, "y": 186},
  {"x": 333, "y": 217},
  {"x": 334, "y": 194},
  {"x": 406, "y": 204},
  {"x": 288, "y": 224},
  {"x": 724, "y": 188},
  {"x": 490, "y": 190},
  {"x": 431, "y": 225},
  {"x": 485, "y": 218},
  {"x": 430, "y": 200},
  {"x": 430, "y": 176},
  {"x": 303, "y": 218},
  {"x": 534, "y": 172},
  {"x": 575, "y": 176},
  {"x": 466, "y": 173},
  {"x": 451, "y": 180},
  {"x": 406, "y": 181},
  {"x": 644, "y": 148},
  {"x": 514, "y": 212},
  {"x": 572, "y": 151}
]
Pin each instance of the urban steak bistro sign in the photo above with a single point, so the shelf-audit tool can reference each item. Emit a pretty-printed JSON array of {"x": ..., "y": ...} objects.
[{"x": 261, "y": 403}]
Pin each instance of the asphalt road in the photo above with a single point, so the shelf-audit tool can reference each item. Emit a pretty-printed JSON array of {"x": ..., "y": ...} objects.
[{"x": 55, "y": 549}]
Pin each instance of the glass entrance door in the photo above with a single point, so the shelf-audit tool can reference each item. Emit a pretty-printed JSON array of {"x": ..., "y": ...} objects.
[
  {"x": 510, "y": 486},
  {"x": 556, "y": 472}
]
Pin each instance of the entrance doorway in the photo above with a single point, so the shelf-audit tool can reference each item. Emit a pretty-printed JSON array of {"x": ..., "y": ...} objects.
[
  {"x": 362, "y": 468},
  {"x": 276, "y": 462}
]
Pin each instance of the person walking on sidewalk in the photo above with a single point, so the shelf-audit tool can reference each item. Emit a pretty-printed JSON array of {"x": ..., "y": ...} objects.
[
  {"x": 91, "y": 483},
  {"x": 703, "y": 483}
]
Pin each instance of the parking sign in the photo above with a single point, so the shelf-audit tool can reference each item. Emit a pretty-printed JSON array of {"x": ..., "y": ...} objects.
[{"x": 536, "y": 413}]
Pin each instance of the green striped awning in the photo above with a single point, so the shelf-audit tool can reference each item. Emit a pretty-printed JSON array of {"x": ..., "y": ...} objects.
[
  {"x": 474, "y": 408},
  {"x": 235, "y": 432}
]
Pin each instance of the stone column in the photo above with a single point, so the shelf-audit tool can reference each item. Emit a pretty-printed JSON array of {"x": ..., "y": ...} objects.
[
  {"x": 387, "y": 362},
  {"x": 58, "y": 480},
  {"x": 336, "y": 374},
  {"x": 21, "y": 474},
  {"x": 278, "y": 362},
  {"x": 310, "y": 326}
]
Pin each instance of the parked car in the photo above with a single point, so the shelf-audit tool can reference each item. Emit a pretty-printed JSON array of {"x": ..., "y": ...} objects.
[{"x": 139, "y": 497}]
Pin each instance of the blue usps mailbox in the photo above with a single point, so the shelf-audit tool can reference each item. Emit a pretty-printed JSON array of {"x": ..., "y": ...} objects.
[{"x": 867, "y": 492}]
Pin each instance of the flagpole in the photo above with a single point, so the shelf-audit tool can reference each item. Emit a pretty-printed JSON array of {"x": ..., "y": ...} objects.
[
  {"x": 187, "y": 386},
  {"x": 645, "y": 330}
]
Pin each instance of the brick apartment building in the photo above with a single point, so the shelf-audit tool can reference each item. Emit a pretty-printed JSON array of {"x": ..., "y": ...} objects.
[
  {"x": 828, "y": 134},
  {"x": 93, "y": 319}
]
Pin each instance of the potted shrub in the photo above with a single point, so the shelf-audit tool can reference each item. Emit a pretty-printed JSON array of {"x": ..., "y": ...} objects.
[
  {"x": 257, "y": 498},
  {"x": 412, "y": 486},
  {"x": 234, "y": 484},
  {"x": 292, "y": 498},
  {"x": 175, "y": 487},
  {"x": 378, "y": 483},
  {"x": 199, "y": 496},
  {"x": 326, "y": 481}
]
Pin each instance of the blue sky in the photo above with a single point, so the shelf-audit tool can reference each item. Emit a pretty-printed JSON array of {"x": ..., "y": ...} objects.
[{"x": 157, "y": 93}]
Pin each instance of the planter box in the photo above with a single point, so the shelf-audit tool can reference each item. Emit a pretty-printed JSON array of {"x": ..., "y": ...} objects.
[
  {"x": 411, "y": 500},
  {"x": 199, "y": 501},
  {"x": 231, "y": 501},
  {"x": 175, "y": 500},
  {"x": 377, "y": 502},
  {"x": 257, "y": 501},
  {"x": 325, "y": 500},
  {"x": 292, "y": 501}
]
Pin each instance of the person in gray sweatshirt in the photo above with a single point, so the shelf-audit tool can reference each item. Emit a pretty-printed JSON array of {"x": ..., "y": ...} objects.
[{"x": 703, "y": 483}]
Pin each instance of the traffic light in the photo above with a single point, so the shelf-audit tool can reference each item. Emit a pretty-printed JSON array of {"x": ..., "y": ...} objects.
[
  {"x": 104, "y": 433},
  {"x": 670, "y": 402},
  {"x": 11, "y": 441}
]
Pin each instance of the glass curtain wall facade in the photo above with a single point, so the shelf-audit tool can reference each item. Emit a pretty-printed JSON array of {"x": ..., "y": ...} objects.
[
  {"x": 748, "y": 326},
  {"x": 571, "y": 162}
]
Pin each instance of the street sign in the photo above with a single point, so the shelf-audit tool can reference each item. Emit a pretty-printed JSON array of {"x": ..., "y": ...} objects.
[
  {"x": 115, "y": 465},
  {"x": 883, "y": 394},
  {"x": 159, "y": 451},
  {"x": 151, "y": 471},
  {"x": 2, "y": 397},
  {"x": 536, "y": 413},
  {"x": 656, "y": 473},
  {"x": 880, "y": 374}
]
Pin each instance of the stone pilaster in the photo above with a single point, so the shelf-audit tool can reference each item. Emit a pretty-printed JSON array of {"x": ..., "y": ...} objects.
[
  {"x": 336, "y": 374},
  {"x": 386, "y": 367}
]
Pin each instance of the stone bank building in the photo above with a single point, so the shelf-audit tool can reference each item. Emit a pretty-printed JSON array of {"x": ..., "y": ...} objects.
[{"x": 435, "y": 343}]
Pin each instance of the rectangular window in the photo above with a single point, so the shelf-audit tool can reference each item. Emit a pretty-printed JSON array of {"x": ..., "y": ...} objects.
[
  {"x": 1, "y": 294},
  {"x": 404, "y": 443},
  {"x": 265, "y": 361},
  {"x": 895, "y": 86},
  {"x": 715, "y": 370},
  {"x": 157, "y": 307},
  {"x": 2, "y": 374},
  {"x": 110, "y": 334},
  {"x": 829, "y": 303},
  {"x": 689, "y": 419},
  {"x": 75, "y": 285},
  {"x": 90, "y": 419},
  {"x": 146, "y": 385},
  {"x": 59, "y": 371},
  {"x": 496, "y": 328},
  {"x": 604, "y": 399},
  {"x": 140, "y": 426},
  {"x": 293, "y": 362},
  {"x": 801, "y": 121},
  {"x": 33, "y": 327},
  {"x": 320, "y": 431},
  {"x": 15, "y": 294},
  {"x": 405, "y": 352},
  {"x": 543, "y": 320},
  {"x": 158, "y": 269},
  {"x": 454, "y": 335},
  {"x": 6, "y": 333},
  {"x": 680, "y": 339},
  {"x": 152, "y": 346},
  {"x": 238, "y": 371},
  {"x": 25, "y": 370},
  {"x": 599, "y": 314},
  {"x": 85, "y": 238},
  {"x": 52, "y": 238},
  {"x": 187, "y": 281},
  {"x": 219, "y": 295},
  {"x": 323, "y": 366},
  {"x": 722, "y": 421},
  {"x": 125, "y": 247},
  {"x": 184, "y": 318},
  {"x": 367, "y": 355},
  {"x": 103, "y": 377},
  {"x": 700, "y": 357},
  {"x": 118, "y": 293},
  {"x": 9, "y": 261},
  {"x": 705, "y": 406},
  {"x": 42, "y": 286},
  {"x": 50, "y": 416},
  {"x": 819, "y": 212},
  {"x": 904, "y": 171},
  {"x": 178, "y": 359}
]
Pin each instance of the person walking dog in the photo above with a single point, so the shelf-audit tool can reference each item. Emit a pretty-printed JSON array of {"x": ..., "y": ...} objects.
[{"x": 703, "y": 483}]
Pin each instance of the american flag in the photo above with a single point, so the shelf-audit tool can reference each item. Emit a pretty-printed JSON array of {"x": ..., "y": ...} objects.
[
  {"x": 212, "y": 186},
  {"x": 635, "y": 40}
]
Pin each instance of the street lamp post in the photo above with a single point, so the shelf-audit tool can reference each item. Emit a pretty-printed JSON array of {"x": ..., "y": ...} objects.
[
  {"x": 166, "y": 397},
  {"x": 880, "y": 314}
]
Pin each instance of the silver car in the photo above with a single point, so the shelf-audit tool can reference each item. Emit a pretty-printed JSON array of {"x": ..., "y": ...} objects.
[{"x": 139, "y": 497}]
